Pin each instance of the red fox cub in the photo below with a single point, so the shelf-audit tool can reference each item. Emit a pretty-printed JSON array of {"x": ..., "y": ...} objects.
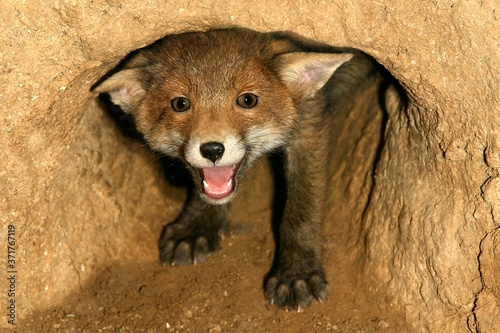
[{"x": 219, "y": 100}]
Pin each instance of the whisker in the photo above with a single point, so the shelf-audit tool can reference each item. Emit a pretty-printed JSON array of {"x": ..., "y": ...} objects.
[{"x": 152, "y": 158}]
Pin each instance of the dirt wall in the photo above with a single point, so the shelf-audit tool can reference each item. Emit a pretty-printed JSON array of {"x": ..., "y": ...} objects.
[{"x": 427, "y": 234}]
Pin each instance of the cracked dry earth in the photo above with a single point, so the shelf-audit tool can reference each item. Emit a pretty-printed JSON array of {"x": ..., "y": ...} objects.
[
  {"x": 222, "y": 294},
  {"x": 486, "y": 298}
]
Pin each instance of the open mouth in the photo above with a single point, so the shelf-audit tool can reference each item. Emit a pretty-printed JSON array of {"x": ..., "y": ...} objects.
[{"x": 219, "y": 181}]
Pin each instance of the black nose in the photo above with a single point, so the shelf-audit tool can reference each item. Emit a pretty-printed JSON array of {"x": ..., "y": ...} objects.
[{"x": 212, "y": 150}]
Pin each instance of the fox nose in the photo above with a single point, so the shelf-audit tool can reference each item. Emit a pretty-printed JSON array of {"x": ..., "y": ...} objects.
[{"x": 212, "y": 150}]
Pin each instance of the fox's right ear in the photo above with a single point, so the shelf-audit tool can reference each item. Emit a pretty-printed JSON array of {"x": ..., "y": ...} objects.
[{"x": 124, "y": 88}]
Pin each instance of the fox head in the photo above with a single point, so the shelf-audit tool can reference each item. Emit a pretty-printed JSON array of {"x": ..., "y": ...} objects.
[{"x": 218, "y": 100}]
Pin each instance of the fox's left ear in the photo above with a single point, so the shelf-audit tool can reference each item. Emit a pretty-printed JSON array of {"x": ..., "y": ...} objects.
[{"x": 306, "y": 73}]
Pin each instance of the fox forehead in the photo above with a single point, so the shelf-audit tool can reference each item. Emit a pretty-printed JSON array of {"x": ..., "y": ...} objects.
[
  {"x": 212, "y": 66},
  {"x": 212, "y": 48}
]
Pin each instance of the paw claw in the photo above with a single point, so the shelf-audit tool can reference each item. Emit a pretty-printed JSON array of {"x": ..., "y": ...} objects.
[
  {"x": 182, "y": 245},
  {"x": 296, "y": 291}
]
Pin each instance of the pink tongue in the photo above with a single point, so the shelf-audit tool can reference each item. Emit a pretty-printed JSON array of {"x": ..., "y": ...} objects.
[{"x": 217, "y": 182}]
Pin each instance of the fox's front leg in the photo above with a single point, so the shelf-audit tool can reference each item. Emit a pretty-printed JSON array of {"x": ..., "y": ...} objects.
[
  {"x": 297, "y": 275},
  {"x": 194, "y": 235}
]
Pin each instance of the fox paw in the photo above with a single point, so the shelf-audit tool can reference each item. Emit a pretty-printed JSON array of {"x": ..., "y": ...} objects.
[
  {"x": 296, "y": 291},
  {"x": 180, "y": 245}
]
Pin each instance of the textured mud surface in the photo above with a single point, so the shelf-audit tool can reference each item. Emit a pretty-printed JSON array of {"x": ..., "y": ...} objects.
[{"x": 223, "y": 294}]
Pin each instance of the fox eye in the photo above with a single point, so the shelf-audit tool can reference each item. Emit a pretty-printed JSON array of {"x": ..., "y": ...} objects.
[
  {"x": 180, "y": 104},
  {"x": 247, "y": 100}
]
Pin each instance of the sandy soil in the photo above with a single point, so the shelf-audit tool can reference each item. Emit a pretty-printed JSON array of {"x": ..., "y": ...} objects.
[{"x": 223, "y": 294}]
